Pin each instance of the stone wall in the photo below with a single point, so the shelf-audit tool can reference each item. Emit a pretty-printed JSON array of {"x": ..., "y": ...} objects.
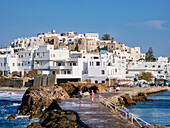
[
  {"x": 8, "y": 82},
  {"x": 43, "y": 80}
]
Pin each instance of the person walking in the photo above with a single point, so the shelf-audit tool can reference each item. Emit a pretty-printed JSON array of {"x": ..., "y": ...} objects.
[
  {"x": 80, "y": 95},
  {"x": 92, "y": 96},
  {"x": 114, "y": 88}
]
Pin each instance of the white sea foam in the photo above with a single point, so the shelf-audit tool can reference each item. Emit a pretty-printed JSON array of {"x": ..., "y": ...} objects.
[
  {"x": 19, "y": 117},
  {"x": 14, "y": 104},
  {"x": 10, "y": 95}
]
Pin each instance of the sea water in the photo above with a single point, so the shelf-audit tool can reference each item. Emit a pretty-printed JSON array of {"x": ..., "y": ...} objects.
[
  {"x": 9, "y": 102},
  {"x": 154, "y": 112}
]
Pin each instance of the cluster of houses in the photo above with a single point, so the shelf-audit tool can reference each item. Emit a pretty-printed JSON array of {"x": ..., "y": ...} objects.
[{"x": 78, "y": 57}]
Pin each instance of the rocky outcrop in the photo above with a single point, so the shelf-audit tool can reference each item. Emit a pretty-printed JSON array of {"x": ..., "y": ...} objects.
[
  {"x": 35, "y": 125},
  {"x": 11, "y": 117},
  {"x": 72, "y": 88},
  {"x": 140, "y": 97},
  {"x": 9, "y": 82},
  {"x": 55, "y": 117},
  {"x": 39, "y": 97},
  {"x": 127, "y": 100}
]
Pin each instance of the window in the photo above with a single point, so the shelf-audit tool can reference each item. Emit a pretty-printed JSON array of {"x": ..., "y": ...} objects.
[
  {"x": 145, "y": 65},
  {"x": 90, "y": 63},
  {"x": 98, "y": 63},
  {"x": 103, "y": 81},
  {"x": 22, "y": 64},
  {"x": 74, "y": 64},
  {"x": 29, "y": 54},
  {"x": 96, "y": 81},
  {"x": 159, "y": 66},
  {"x": 159, "y": 72},
  {"x": 115, "y": 70},
  {"x": 28, "y": 62},
  {"x": 102, "y": 72},
  {"x": 153, "y": 66},
  {"x": 37, "y": 54},
  {"x": 13, "y": 64},
  {"x": 18, "y": 64},
  {"x": 53, "y": 72}
]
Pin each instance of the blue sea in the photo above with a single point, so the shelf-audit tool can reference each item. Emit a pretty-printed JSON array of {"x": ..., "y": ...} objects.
[
  {"x": 154, "y": 112},
  {"x": 9, "y": 102}
]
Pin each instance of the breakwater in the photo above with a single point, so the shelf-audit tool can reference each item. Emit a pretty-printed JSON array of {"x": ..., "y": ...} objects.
[
  {"x": 131, "y": 97},
  {"x": 134, "y": 95}
]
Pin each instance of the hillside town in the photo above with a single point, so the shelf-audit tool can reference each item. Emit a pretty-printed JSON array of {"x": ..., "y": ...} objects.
[{"x": 79, "y": 57}]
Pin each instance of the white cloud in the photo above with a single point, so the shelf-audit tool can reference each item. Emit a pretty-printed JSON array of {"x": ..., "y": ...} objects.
[{"x": 156, "y": 24}]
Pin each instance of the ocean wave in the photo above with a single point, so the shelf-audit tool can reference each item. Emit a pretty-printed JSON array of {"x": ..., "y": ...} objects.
[
  {"x": 6, "y": 106},
  {"x": 11, "y": 96}
]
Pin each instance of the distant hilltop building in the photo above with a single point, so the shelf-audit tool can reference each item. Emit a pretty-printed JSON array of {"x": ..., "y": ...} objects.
[{"x": 78, "y": 57}]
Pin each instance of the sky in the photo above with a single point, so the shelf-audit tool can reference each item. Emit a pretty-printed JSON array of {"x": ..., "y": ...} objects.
[{"x": 136, "y": 23}]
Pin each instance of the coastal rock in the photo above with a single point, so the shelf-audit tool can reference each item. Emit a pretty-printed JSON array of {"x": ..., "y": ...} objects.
[
  {"x": 34, "y": 125},
  {"x": 53, "y": 106},
  {"x": 11, "y": 117},
  {"x": 140, "y": 97},
  {"x": 72, "y": 88},
  {"x": 62, "y": 119},
  {"x": 38, "y": 97},
  {"x": 128, "y": 101},
  {"x": 55, "y": 117}
]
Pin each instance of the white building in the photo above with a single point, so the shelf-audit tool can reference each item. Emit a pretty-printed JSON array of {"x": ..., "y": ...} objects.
[
  {"x": 136, "y": 54},
  {"x": 158, "y": 68}
]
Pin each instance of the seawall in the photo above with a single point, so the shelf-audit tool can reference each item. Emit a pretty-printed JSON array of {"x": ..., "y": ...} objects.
[{"x": 136, "y": 95}]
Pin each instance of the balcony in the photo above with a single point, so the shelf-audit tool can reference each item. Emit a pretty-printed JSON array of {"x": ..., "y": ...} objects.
[
  {"x": 41, "y": 67},
  {"x": 60, "y": 67}
]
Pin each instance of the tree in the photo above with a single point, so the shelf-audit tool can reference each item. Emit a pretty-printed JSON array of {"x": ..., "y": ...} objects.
[
  {"x": 146, "y": 76},
  {"x": 106, "y": 37},
  {"x": 77, "y": 47},
  {"x": 150, "y": 56},
  {"x": 135, "y": 79},
  {"x": 98, "y": 48}
]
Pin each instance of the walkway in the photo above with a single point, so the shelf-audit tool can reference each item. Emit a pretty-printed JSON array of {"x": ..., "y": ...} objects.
[{"x": 94, "y": 114}]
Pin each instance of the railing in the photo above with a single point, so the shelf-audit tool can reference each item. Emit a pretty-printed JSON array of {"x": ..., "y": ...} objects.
[{"x": 122, "y": 111}]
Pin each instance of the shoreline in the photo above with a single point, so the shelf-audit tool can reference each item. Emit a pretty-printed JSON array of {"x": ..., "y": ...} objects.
[
  {"x": 136, "y": 92},
  {"x": 23, "y": 89}
]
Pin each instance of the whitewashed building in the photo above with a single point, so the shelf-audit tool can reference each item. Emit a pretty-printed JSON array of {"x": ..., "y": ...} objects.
[{"x": 158, "y": 68}]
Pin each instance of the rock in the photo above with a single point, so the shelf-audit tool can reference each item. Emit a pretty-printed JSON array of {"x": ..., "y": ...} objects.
[
  {"x": 38, "y": 97},
  {"x": 121, "y": 101},
  {"x": 62, "y": 119},
  {"x": 128, "y": 101},
  {"x": 34, "y": 125},
  {"x": 72, "y": 88},
  {"x": 36, "y": 116},
  {"x": 11, "y": 117},
  {"x": 55, "y": 117},
  {"x": 53, "y": 106}
]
